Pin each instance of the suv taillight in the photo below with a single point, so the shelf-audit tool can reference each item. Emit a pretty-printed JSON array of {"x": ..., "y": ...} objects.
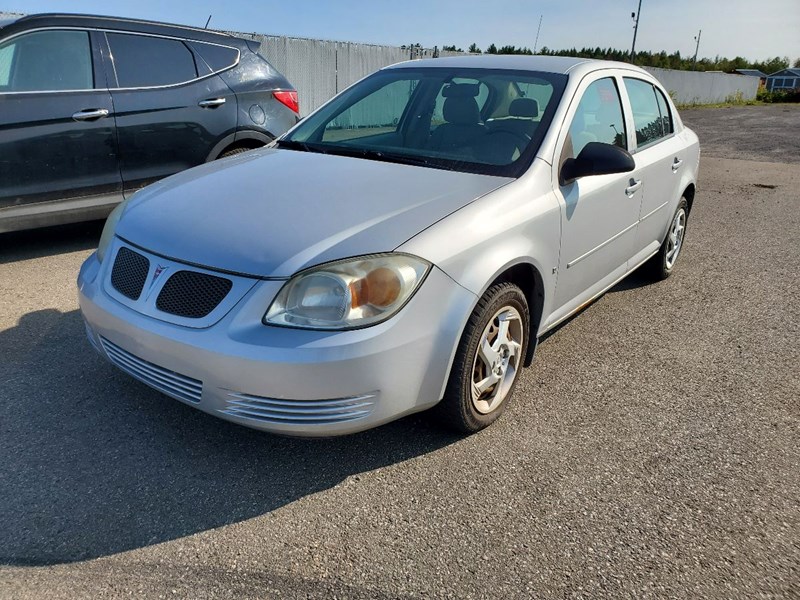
[{"x": 288, "y": 98}]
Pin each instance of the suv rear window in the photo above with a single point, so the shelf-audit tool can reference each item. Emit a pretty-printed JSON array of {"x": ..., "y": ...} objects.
[{"x": 144, "y": 61}]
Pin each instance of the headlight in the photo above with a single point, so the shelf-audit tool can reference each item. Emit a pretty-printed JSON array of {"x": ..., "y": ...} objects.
[
  {"x": 108, "y": 230},
  {"x": 356, "y": 292}
]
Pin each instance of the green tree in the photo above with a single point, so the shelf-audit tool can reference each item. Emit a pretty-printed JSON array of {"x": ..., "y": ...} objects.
[
  {"x": 492, "y": 49},
  {"x": 473, "y": 48}
]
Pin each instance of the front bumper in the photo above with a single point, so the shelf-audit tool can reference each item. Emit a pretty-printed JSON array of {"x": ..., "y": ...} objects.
[{"x": 288, "y": 381}]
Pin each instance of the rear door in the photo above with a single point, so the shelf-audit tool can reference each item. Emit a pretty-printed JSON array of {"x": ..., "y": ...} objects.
[
  {"x": 660, "y": 155},
  {"x": 57, "y": 139},
  {"x": 170, "y": 108}
]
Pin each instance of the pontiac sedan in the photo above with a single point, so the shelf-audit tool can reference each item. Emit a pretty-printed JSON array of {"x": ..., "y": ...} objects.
[{"x": 400, "y": 249}]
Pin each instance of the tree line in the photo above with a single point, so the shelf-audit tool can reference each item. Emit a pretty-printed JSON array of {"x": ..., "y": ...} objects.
[{"x": 646, "y": 58}]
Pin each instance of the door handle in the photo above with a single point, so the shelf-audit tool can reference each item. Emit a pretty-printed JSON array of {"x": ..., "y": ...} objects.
[
  {"x": 211, "y": 103},
  {"x": 90, "y": 114},
  {"x": 633, "y": 185},
  {"x": 676, "y": 164}
]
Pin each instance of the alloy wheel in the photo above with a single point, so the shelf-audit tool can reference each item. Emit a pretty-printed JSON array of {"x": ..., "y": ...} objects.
[{"x": 497, "y": 360}]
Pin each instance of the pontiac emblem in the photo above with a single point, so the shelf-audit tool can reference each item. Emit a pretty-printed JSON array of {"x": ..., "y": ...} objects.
[{"x": 159, "y": 269}]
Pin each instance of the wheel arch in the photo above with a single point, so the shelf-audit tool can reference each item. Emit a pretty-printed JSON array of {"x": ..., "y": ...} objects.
[
  {"x": 688, "y": 193},
  {"x": 528, "y": 277},
  {"x": 239, "y": 139}
]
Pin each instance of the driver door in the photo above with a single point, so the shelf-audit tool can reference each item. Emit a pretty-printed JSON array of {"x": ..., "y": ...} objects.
[{"x": 599, "y": 214}]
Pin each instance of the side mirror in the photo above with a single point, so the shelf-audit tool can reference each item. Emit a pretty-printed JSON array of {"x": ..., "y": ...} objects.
[{"x": 596, "y": 158}]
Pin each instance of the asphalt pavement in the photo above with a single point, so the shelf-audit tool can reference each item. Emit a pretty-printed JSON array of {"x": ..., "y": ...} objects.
[{"x": 651, "y": 451}]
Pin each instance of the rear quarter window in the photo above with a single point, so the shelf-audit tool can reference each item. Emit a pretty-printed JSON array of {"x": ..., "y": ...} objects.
[{"x": 218, "y": 58}]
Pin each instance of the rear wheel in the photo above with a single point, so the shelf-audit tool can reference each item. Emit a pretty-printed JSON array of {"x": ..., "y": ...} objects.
[
  {"x": 663, "y": 263},
  {"x": 489, "y": 358}
]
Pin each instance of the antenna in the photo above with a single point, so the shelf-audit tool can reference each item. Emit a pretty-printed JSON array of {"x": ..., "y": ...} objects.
[
  {"x": 207, "y": 22},
  {"x": 536, "y": 43}
]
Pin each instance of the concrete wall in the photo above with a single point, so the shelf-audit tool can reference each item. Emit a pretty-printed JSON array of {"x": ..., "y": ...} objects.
[
  {"x": 320, "y": 69},
  {"x": 696, "y": 87}
]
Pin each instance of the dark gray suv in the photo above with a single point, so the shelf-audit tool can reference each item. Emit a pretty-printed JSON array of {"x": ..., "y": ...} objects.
[{"x": 94, "y": 108}]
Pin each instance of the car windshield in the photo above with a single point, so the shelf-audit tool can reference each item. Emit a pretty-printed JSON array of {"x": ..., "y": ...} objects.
[{"x": 488, "y": 121}]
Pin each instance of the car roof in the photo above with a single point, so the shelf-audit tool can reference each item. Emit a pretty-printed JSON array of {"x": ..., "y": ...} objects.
[
  {"x": 117, "y": 23},
  {"x": 547, "y": 64},
  {"x": 7, "y": 19}
]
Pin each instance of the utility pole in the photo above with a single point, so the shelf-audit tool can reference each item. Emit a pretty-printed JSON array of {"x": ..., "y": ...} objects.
[
  {"x": 536, "y": 43},
  {"x": 697, "y": 48},
  {"x": 635, "y": 17}
]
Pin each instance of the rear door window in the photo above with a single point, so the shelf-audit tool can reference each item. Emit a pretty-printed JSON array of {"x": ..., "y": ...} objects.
[
  {"x": 46, "y": 61},
  {"x": 647, "y": 116},
  {"x": 666, "y": 115},
  {"x": 144, "y": 61}
]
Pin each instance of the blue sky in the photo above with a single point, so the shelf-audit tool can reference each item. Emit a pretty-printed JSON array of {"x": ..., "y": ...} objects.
[{"x": 755, "y": 30}]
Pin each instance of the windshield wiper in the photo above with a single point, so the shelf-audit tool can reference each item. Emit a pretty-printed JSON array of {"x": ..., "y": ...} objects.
[
  {"x": 355, "y": 152},
  {"x": 380, "y": 155},
  {"x": 303, "y": 146}
]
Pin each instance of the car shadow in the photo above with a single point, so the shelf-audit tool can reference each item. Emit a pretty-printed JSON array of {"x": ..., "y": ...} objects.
[
  {"x": 49, "y": 241},
  {"x": 95, "y": 463},
  {"x": 637, "y": 280}
]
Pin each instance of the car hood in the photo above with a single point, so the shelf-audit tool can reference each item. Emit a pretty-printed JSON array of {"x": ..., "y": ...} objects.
[{"x": 272, "y": 212}]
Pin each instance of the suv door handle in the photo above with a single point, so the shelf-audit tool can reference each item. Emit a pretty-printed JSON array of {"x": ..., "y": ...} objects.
[
  {"x": 211, "y": 103},
  {"x": 90, "y": 114},
  {"x": 676, "y": 164},
  {"x": 633, "y": 185}
]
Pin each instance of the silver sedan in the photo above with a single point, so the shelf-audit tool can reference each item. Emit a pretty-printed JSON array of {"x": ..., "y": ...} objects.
[{"x": 401, "y": 249}]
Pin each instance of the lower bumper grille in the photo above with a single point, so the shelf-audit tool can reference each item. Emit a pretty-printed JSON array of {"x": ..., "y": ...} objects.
[
  {"x": 298, "y": 412},
  {"x": 166, "y": 381}
]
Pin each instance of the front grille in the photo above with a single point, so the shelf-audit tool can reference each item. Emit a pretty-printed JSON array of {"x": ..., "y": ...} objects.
[
  {"x": 166, "y": 381},
  {"x": 191, "y": 294},
  {"x": 298, "y": 412},
  {"x": 129, "y": 273}
]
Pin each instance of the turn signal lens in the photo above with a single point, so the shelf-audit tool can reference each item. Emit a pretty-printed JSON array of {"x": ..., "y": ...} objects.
[
  {"x": 381, "y": 287},
  {"x": 348, "y": 294}
]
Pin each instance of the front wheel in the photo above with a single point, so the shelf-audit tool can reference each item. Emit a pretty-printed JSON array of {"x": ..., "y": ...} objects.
[
  {"x": 489, "y": 358},
  {"x": 663, "y": 263}
]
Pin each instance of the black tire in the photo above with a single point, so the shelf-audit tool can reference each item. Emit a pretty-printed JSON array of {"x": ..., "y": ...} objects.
[
  {"x": 233, "y": 152},
  {"x": 458, "y": 410},
  {"x": 660, "y": 266}
]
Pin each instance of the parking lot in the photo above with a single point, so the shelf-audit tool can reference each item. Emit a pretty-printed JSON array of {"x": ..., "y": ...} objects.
[{"x": 651, "y": 451}]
